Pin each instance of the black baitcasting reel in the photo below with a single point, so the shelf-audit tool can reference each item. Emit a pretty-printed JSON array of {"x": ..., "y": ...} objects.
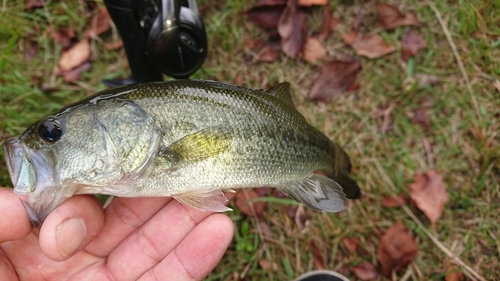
[{"x": 159, "y": 36}]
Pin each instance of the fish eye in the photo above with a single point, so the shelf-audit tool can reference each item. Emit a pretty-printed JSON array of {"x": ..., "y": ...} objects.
[{"x": 49, "y": 130}]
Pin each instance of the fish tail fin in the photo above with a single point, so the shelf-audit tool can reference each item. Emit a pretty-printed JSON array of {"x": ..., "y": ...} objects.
[
  {"x": 317, "y": 192},
  {"x": 349, "y": 186}
]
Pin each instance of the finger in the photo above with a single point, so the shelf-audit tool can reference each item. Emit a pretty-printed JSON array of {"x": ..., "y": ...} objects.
[
  {"x": 198, "y": 254},
  {"x": 154, "y": 241},
  {"x": 14, "y": 222},
  {"x": 71, "y": 226},
  {"x": 122, "y": 217},
  {"x": 6, "y": 270}
]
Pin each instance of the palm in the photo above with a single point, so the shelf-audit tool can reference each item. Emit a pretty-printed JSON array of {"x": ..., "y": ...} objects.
[{"x": 141, "y": 239}]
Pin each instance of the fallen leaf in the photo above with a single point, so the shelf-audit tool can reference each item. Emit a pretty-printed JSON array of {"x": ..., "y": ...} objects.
[
  {"x": 327, "y": 19},
  {"x": 31, "y": 50},
  {"x": 411, "y": 44},
  {"x": 396, "y": 249},
  {"x": 34, "y": 4},
  {"x": 238, "y": 80},
  {"x": 267, "y": 54},
  {"x": 254, "y": 43},
  {"x": 265, "y": 264},
  {"x": 114, "y": 45},
  {"x": 319, "y": 262},
  {"x": 266, "y": 15},
  {"x": 371, "y": 46},
  {"x": 308, "y": 3},
  {"x": 425, "y": 80},
  {"x": 365, "y": 271},
  {"x": 429, "y": 194},
  {"x": 350, "y": 37},
  {"x": 99, "y": 23},
  {"x": 390, "y": 202},
  {"x": 75, "y": 56},
  {"x": 335, "y": 78},
  {"x": 75, "y": 73},
  {"x": 271, "y": 2},
  {"x": 421, "y": 117},
  {"x": 389, "y": 17},
  {"x": 313, "y": 50},
  {"x": 291, "y": 27},
  {"x": 496, "y": 84},
  {"x": 454, "y": 274},
  {"x": 384, "y": 118},
  {"x": 249, "y": 208},
  {"x": 64, "y": 36},
  {"x": 351, "y": 243}
]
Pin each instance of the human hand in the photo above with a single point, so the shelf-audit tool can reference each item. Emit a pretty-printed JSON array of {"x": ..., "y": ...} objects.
[{"x": 132, "y": 239}]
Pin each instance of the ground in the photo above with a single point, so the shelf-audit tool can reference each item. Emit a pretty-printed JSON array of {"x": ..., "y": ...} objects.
[{"x": 377, "y": 124}]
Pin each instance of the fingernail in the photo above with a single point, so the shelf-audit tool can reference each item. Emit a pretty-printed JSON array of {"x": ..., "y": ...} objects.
[{"x": 70, "y": 235}]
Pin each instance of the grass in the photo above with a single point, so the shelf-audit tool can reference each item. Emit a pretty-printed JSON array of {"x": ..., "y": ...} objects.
[{"x": 462, "y": 142}]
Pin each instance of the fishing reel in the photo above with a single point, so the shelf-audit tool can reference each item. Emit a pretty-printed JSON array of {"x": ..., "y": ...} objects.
[{"x": 159, "y": 36}]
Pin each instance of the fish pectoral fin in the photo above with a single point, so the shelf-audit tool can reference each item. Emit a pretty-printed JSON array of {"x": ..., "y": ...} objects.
[
  {"x": 209, "y": 201},
  {"x": 198, "y": 146},
  {"x": 317, "y": 192}
]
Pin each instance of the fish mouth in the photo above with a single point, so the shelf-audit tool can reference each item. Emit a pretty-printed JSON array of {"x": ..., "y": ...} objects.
[{"x": 31, "y": 176}]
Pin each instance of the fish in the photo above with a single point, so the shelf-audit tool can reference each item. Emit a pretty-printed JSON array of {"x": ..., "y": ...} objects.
[{"x": 191, "y": 140}]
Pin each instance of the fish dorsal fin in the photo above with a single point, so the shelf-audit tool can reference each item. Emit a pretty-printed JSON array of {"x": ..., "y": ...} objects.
[
  {"x": 197, "y": 146},
  {"x": 317, "y": 192},
  {"x": 281, "y": 91}
]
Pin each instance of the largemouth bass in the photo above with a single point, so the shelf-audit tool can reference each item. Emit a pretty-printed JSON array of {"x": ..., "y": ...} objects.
[{"x": 188, "y": 139}]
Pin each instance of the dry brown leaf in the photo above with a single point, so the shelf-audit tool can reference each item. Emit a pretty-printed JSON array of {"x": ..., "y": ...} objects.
[
  {"x": 308, "y": 3},
  {"x": 496, "y": 84},
  {"x": 319, "y": 262},
  {"x": 329, "y": 23},
  {"x": 75, "y": 73},
  {"x": 291, "y": 27},
  {"x": 99, "y": 24},
  {"x": 411, "y": 44},
  {"x": 335, "y": 78},
  {"x": 371, "y": 46},
  {"x": 390, "y": 202},
  {"x": 313, "y": 50},
  {"x": 429, "y": 194},
  {"x": 75, "y": 56},
  {"x": 31, "y": 50},
  {"x": 389, "y": 17},
  {"x": 454, "y": 275},
  {"x": 64, "y": 36},
  {"x": 114, "y": 45},
  {"x": 350, "y": 37},
  {"x": 425, "y": 80},
  {"x": 243, "y": 203},
  {"x": 267, "y": 54},
  {"x": 271, "y": 2},
  {"x": 420, "y": 116},
  {"x": 266, "y": 15},
  {"x": 396, "y": 249},
  {"x": 351, "y": 243},
  {"x": 365, "y": 271},
  {"x": 34, "y": 4}
]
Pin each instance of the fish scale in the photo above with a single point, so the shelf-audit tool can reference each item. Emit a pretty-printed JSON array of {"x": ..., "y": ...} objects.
[{"x": 189, "y": 139}]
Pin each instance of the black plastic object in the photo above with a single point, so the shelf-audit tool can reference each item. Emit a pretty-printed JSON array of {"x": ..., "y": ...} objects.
[
  {"x": 322, "y": 275},
  {"x": 128, "y": 24},
  {"x": 167, "y": 36},
  {"x": 177, "y": 40}
]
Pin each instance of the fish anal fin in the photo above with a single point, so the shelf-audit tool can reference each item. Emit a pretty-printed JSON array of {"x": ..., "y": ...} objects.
[
  {"x": 317, "y": 192},
  {"x": 281, "y": 91},
  {"x": 198, "y": 146},
  {"x": 209, "y": 201}
]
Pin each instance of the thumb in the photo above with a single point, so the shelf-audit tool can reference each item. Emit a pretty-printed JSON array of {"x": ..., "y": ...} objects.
[{"x": 71, "y": 227}]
